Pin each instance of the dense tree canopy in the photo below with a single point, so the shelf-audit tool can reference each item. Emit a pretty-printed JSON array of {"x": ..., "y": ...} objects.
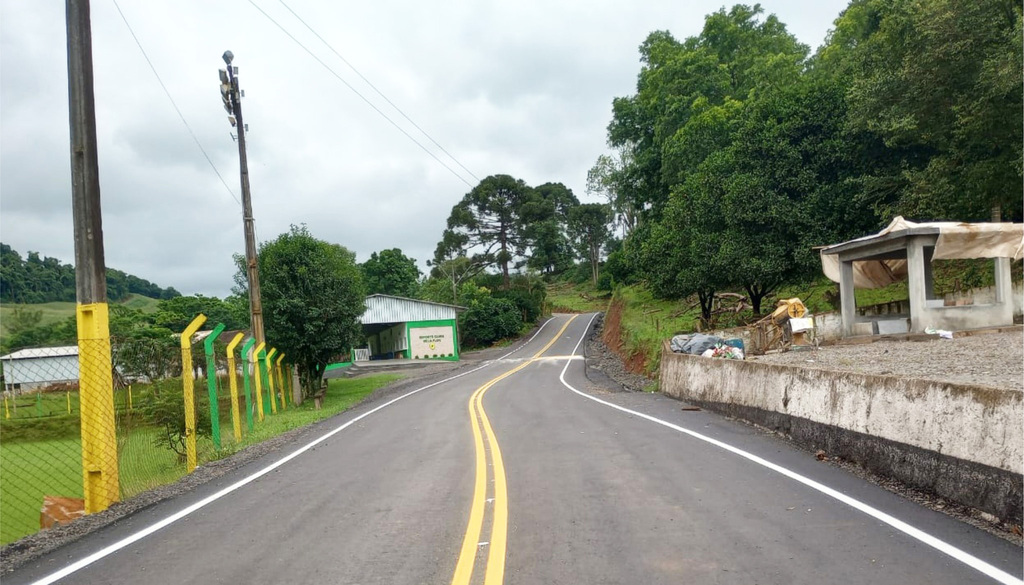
[
  {"x": 313, "y": 296},
  {"x": 489, "y": 219},
  {"x": 36, "y": 279},
  {"x": 588, "y": 231},
  {"x": 740, "y": 152},
  {"x": 391, "y": 272}
]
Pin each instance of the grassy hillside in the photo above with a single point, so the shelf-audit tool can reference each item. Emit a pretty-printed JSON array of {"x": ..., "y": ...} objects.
[
  {"x": 52, "y": 312},
  {"x": 58, "y": 311},
  {"x": 142, "y": 303}
]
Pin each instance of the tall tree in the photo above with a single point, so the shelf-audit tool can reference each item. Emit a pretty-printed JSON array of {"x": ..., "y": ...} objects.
[
  {"x": 613, "y": 177},
  {"x": 544, "y": 214},
  {"x": 682, "y": 254},
  {"x": 736, "y": 54},
  {"x": 313, "y": 296},
  {"x": 939, "y": 83},
  {"x": 488, "y": 219},
  {"x": 452, "y": 265},
  {"x": 589, "y": 231},
  {"x": 391, "y": 272}
]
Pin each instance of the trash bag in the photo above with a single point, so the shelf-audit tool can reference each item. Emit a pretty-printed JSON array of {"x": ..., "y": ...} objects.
[{"x": 695, "y": 344}]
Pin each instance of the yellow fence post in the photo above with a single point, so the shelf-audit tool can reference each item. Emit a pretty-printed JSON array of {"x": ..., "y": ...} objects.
[
  {"x": 130, "y": 405},
  {"x": 69, "y": 401},
  {"x": 236, "y": 421},
  {"x": 188, "y": 388},
  {"x": 254, "y": 359},
  {"x": 270, "y": 378},
  {"x": 100, "y": 484},
  {"x": 280, "y": 382},
  {"x": 7, "y": 410}
]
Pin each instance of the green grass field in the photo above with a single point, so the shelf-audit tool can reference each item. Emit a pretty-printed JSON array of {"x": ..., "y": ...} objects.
[
  {"x": 59, "y": 311},
  {"x": 51, "y": 312},
  {"x": 566, "y": 297},
  {"x": 45, "y": 458}
]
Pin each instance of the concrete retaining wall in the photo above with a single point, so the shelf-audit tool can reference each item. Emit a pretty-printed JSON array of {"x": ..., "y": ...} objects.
[{"x": 965, "y": 443}]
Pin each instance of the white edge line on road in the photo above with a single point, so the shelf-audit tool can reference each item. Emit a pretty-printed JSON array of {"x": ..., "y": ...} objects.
[
  {"x": 942, "y": 546},
  {"x": 110, "y": 549}
]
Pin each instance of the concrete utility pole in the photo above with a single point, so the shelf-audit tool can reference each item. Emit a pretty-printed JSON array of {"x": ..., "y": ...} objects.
[
  {"x": 233, "y": 104},
  {"x": 96, "y": 387}
]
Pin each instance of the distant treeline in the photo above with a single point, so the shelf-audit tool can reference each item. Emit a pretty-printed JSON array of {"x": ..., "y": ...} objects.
[{"x": 36, "y": 279}]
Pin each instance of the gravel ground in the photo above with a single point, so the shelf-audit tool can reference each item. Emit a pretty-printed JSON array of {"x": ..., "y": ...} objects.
[
  {"x": 994, "y": 360},
  {"x": 604, "y": 365}
]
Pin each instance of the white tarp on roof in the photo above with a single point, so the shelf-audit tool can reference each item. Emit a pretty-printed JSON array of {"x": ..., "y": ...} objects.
[{"x": 956, "y": 240}]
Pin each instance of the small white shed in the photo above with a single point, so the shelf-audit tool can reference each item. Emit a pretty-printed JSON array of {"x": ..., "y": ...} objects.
[{"x": 27, "y": 369}]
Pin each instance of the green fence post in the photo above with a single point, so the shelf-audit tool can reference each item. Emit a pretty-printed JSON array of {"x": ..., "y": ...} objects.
[
  {"x": 211, "y": 384},
  {"x": 245, "y": 380},
  {"x": 261, "y": 363},
  {"x": 270, "y": 375}
]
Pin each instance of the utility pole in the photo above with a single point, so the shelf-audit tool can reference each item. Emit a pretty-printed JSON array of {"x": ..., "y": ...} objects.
[
  {"x": 233, "y": 104},
  {"x": 96, "y": 387}
]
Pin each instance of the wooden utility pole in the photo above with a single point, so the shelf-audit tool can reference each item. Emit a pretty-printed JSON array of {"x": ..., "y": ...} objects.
[
  {"x": 233, "y": 104},
  {"x": 90, "y": 269},
  {"x": 96, "y": 388}
]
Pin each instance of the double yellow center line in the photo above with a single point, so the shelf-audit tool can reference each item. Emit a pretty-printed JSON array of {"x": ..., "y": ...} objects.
[{"x": 495, "y": 568}]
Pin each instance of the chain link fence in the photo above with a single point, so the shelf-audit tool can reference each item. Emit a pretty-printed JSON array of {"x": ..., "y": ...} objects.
[
  {"x": 56, "y": 462},
  {"x": 46, "y": 473}
]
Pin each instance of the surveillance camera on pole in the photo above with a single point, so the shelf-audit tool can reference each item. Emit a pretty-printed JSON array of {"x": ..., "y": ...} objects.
[{"x": 231, "y": 97}]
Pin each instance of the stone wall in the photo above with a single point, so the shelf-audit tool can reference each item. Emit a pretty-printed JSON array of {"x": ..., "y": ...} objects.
[{"x": 962, "y": 442}]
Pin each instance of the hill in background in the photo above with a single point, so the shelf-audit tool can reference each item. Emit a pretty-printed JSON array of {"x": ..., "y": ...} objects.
[{"x": 35, "y": 280}]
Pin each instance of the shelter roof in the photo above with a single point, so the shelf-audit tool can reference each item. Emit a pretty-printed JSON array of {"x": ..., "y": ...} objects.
[
  {"x": 42, "y": 352},
  {"x": 951, "y": 240},
  {"x": 381, "y": 308}
]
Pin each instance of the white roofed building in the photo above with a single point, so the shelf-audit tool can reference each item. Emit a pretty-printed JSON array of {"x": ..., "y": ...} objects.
[
  {"x": 398, "y": 327},
  {"x": 27, "y": 369}
]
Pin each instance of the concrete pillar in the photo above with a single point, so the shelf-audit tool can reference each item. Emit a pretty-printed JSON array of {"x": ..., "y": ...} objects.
[
  {"x": 929, "y": 282},
  {"x": 1004, "y": 290},
  {"x": 916, "y": 285},
  {"x": 847, "y": 300}
]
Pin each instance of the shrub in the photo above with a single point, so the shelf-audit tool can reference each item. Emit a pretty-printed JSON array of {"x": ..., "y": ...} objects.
[
  {"x": 489, "y": 320},
  {"x": 166, "y": 410}
]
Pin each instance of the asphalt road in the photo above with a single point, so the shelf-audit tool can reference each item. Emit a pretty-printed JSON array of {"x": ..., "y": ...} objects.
[{"x": 502, "y": 476}]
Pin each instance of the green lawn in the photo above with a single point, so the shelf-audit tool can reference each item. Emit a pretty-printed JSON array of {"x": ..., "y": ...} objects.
[
  {"x": 51, "y": 312},
  {"x": 142, "y": 303},
  {"x": 42, "y": 456},
  {"x": 566, "y": 297},
  {"x": 59, "y": 311}
]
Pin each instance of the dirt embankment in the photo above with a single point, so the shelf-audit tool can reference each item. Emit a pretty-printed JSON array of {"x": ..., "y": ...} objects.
[{"x": 612, "y": 334}]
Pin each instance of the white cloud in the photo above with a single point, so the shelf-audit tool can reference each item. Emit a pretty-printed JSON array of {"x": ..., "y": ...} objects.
[{"x": 522, "y": 88}]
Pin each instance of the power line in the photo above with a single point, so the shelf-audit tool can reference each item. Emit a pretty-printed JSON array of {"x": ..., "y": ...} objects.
[
  {"x": 361, "y": 96},
  {"x": 175, "y": 105},
  {"x": 379, "y": 92}
]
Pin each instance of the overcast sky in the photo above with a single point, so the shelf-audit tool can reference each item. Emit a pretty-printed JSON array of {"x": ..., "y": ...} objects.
[{"x": 521, "y": 87}]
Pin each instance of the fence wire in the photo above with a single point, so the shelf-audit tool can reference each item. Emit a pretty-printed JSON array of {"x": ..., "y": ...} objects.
[
  {"x": 40, "y": 441},
  {"x": 44, "y": 478},
  {"x": 54, "y": 464}
]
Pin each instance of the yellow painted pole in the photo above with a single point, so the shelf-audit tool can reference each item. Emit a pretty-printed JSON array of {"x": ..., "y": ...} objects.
[
  {"x": 270, "y": 379},
  {"x": 100, "y": 483},
  {"x": 236, "y": 421},
  {"x": 7, "y": 409},
  {"x": 69, "y": 401},
  {"x": 130, "y": 397},
  {"x": 280, "y": 382},
  {"x": 188, "y": 387},
  {"x": 254, "y": 359}
]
